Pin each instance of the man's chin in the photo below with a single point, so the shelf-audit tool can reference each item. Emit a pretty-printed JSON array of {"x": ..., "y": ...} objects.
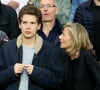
[{"x": 47, "y": 20}]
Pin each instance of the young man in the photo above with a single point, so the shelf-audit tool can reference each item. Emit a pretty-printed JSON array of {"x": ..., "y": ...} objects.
[
  {"x": 29, "y": 63},
  {"x": 15, "y": 4},
  {"x": 51, "y": 27}
]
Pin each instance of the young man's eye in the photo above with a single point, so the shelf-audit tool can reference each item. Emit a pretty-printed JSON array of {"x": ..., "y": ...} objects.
[
  {"x": 32, "y": 22},
  {"x": 24, "y": 22}
]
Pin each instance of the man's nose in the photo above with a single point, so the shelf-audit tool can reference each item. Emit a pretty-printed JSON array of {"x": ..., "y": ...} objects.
[{"x": 28, "y": 25}]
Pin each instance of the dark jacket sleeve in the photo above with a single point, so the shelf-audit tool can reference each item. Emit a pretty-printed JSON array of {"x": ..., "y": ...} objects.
[
  {"x": 94, "y": 68},
  {"x": 7, "y": 75},
  {"x": 51, "y": 76},
  {"x": 13, "y": 24}
]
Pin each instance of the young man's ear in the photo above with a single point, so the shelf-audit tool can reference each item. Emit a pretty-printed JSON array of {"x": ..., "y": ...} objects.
[{"x": 19, "y": 26}]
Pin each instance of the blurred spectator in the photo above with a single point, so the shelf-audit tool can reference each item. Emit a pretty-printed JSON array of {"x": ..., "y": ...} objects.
[
  {"x": 64, "y": 10},
  {"x": 15, "y": 4},
  {"x": 75, "y": 4},
  {"x": 31, "y": 2},
  {"x": 8, "y": 21},
  {"x": 87, "y": 14}
]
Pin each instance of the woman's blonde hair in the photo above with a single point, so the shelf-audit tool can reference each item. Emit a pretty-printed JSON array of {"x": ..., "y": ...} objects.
[{"x": 80, "y": 38}]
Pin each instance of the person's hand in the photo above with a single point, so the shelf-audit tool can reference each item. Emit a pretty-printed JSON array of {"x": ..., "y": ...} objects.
[
  {"x": 29, "y": 68},
  {"x": 3, "y": 37},
  {"x": 5, "y": 40},
  {"x": 18, "y": 68}
]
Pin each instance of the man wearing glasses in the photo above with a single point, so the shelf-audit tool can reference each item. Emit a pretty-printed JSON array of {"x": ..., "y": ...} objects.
[{"x": 51, "y": 27}]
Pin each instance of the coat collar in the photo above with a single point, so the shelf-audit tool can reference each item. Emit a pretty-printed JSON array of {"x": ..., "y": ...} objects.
[{"x": 38, "y": 44}]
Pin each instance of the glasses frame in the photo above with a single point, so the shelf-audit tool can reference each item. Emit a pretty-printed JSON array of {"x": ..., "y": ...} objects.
[{"x": 46, "y": 5}]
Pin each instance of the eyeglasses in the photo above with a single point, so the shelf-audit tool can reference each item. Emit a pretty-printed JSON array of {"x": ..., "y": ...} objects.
[{"x": 47, "y": 5}]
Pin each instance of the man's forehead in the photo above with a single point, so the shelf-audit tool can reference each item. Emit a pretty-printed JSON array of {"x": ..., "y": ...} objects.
[{"x": 47, "y": 1}]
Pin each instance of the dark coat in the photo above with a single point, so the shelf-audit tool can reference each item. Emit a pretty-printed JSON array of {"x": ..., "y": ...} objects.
[
  {"x": 53, "y": 34},
  {"x": 84, "y": 16},
  {"x": 47, "y": 72},
  {"x": 8, "y": 21},
  {"x": 83, "y": 73}
]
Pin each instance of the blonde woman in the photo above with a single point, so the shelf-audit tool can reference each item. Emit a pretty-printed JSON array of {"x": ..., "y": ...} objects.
[{"x": 82, "y": 71}]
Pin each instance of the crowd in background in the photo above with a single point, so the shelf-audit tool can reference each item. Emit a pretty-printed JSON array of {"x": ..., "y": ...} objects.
[{"x": 49, "y": 45}]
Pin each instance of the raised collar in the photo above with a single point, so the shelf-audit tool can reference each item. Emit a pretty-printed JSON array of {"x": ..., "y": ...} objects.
[
  {"x": 38, "y": 43},
  {"x": 57, "y": 25}
]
